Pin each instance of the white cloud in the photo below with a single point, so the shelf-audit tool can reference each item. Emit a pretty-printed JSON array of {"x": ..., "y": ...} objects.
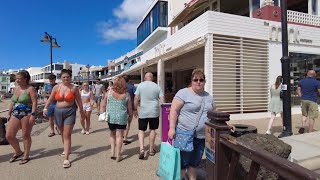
[{"x": 125, "y": 21}]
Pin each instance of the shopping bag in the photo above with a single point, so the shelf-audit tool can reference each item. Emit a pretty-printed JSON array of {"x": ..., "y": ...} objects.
[
  {"x": 103, "y": 117},
  {"x": 169, "y": 163}
]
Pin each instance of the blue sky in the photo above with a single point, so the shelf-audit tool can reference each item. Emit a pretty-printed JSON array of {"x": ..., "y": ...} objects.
[{"x": 89, "y": 32}]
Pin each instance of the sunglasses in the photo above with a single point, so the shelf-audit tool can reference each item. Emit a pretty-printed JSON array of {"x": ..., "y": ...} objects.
[{"x": 198, "y": 80}]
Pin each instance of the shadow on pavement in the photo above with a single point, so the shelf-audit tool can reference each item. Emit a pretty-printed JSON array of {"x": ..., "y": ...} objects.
[
  {"x": 7, "y": 157},
  {"x": 100, "y": 130},
  {"x": 53, "y": 152},
  {"x": 90, "y": 152}
]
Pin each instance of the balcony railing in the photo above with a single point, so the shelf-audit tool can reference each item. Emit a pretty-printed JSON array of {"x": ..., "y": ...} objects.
[{"x": 303, "y": 18}]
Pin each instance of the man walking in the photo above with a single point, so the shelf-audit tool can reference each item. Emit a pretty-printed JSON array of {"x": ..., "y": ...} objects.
[
  {"x": 48, "y": 89},
  {"x": 98, "y": 92},
  {"x": 149, "y": 94},
  {"x": 131, "y": 91},
  {"x": 307, "y": 90}
]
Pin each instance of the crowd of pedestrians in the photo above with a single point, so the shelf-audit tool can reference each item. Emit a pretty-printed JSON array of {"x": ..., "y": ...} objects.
[{"x": 122, "y": 101}]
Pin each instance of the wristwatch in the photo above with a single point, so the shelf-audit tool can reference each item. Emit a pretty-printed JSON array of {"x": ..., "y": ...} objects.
[{"x": 33, "y": 114}]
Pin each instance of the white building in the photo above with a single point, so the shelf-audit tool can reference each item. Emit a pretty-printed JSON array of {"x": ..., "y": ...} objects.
[
  {"x": 236, "y": 43},
  {"x": 40, "y": 74},
  {"x": 4, "y": 82}
]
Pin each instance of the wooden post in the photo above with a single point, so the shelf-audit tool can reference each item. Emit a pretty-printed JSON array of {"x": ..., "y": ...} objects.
[{"x": 217, "y": 161}]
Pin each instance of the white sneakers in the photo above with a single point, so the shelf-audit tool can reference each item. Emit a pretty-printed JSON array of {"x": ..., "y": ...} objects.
[
  {"x": 85, "y": 132},
  {"x": 268, "y": 132}
]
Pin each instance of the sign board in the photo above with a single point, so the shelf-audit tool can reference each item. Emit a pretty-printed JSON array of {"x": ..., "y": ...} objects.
[
  {"x": 210, "y": 149},
  {"x": 165, "y": 111}
]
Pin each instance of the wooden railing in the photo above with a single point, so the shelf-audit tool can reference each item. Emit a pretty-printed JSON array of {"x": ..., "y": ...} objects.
[{"x": 233, "y": 148}]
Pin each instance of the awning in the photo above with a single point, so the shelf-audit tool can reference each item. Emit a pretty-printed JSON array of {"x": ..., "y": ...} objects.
[
  {"x": 192, "y": 5},
  {"x": 134, "y": 67},
  {"x": 194, "y": 44}
]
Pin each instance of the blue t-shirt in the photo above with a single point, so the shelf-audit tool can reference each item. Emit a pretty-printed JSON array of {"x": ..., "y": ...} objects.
[
  {"x": 131, "y": 90},
  {"x": 309, "y": 88},
  {"x": 187, "y": 119},
  {"x": 48, "y": 89},
  {"x": 149, "y": 93}
]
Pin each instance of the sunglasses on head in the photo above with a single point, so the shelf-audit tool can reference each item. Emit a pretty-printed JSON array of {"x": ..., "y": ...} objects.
[{"x": 198, "y": 80}]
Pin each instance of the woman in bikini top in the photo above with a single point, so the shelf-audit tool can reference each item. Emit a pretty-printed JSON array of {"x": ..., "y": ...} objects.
[
  {"x": 22, "y": 114},
  {"x": 66, "y": 95}
]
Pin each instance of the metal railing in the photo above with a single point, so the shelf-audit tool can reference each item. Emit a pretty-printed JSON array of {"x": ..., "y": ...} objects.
[{"x": 303, "y": 18}]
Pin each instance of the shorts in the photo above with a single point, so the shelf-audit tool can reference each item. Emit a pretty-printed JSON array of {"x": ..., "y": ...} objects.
[
  {"x": 113, "y": 127},
  {"x": 194, "y": 157},
  {"x": 153, "y": 123},
  {"x": 65, "y": 116},
  {"x": 97, "y": 99},
  {"x": 51, "y": 110},
  {"x": 86, "y": 107},
  {"x": 309, "y": 109}
]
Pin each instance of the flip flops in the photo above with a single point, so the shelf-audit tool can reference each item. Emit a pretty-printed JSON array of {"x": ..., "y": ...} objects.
[
  {"x": 15, "y": 157},
  {"x": 141, "y": 154},
  {"x": 119, "y": 159},
  {"x": 66, "y": 164},
  {"x": 24, "y": 161},
  {"x": 51, "y": 134},
  {"x": 152, "y": 152}
]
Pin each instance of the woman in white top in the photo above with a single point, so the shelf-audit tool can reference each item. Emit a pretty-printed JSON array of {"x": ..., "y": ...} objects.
[{"x": 88, "y": 102}]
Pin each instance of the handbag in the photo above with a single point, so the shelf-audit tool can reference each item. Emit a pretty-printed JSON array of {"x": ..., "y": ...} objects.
[
  {"x": 169, "y": 162},
  {"x": 184, "y": 138},
  {"x": 105, "y": 116}
]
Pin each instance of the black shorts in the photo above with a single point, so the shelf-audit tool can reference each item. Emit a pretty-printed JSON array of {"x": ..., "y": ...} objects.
[
  {"x": 153, "y": 123},
  {"x": 113, "y": 127}
]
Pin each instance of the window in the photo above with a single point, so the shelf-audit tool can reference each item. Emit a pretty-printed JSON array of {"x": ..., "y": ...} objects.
[
  {"x": 80, "y": 68},
  {"x": 3, "y": 87},
  {"x": 58, "y": 67},
  {"x": 158, "y": 17},
  {"x": 3, "y": 79}
]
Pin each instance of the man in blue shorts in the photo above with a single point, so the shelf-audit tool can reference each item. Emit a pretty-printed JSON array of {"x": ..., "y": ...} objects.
[
  {"x": 308, "y": 90},
  {"x": 48, "y": 89}
]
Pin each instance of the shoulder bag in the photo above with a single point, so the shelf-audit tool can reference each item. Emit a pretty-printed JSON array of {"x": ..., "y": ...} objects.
[{"x": 184, "y": 138}]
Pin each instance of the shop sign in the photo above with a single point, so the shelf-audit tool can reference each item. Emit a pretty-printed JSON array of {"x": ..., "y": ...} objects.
[{"x": 293, "y": 35}]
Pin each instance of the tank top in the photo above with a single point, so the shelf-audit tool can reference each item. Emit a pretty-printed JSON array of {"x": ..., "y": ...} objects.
[
  {"x": 117, "y": 110},
  {"x": 84, "y": 95}
]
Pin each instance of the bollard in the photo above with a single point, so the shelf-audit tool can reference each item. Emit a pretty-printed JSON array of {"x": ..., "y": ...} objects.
[{"x": 216, "y": 159}]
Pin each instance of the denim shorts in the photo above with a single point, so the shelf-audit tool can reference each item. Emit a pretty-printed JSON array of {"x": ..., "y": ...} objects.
[
  {"x": 194, "y": 157},
  {"x": 51, "y": 110}
]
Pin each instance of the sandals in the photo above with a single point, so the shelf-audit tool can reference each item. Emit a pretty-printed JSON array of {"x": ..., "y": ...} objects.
[
  {"x": 113, "y": 158},
  {"x": 152, "y": 152},
  {"x": 15, "y": 157},
  {"x": 66, "y": 164},
  {"x": 51, "y": 134},
  {"x": 126, "y": 142},
  {"x": 141, "y": 154},
  {"x": 24, "y": 161}
]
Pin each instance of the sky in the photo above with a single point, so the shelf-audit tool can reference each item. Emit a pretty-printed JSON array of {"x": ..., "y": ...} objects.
[{"x": 89, "y": 32}]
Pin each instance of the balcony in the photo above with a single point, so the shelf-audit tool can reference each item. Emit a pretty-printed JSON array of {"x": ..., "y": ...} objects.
[
  {"x": 303, "y": 18},
  {"x": 273, "y": 13}
]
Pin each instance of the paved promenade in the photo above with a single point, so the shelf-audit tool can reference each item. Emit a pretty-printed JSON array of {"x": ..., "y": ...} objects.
[{"x": 90, "y": 157}]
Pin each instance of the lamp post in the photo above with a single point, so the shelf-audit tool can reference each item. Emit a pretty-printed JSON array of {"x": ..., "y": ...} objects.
[
  {"x": 53, "y": 44},
  {"x": 88, "y": 67},
  {"x": 79, "y": 78},
  {"x": 286, "y": 85}
]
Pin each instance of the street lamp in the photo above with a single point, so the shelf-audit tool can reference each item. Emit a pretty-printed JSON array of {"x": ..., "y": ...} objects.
[
  {"x": 88, "y": 67},
  {"x": 48, "y": 38},
  {"x": 286, "y": 85},
  {"x": 79, "y": 78}
]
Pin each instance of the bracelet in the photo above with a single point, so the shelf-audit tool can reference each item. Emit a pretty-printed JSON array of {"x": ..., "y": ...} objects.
[{"x": 45, "y": 109}]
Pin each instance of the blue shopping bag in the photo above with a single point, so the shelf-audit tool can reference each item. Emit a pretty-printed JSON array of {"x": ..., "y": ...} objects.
[{"x": 169, "y": 163}]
